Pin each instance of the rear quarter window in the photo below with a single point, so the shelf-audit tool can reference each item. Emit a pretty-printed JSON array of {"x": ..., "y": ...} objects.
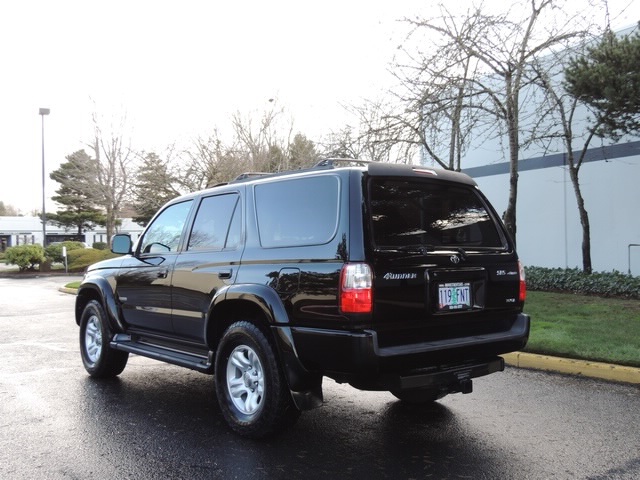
[{"x": 297, "y": 212}]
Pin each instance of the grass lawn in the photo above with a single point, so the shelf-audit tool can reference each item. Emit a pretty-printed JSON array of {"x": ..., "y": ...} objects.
[{"x": 584, "y": 327}]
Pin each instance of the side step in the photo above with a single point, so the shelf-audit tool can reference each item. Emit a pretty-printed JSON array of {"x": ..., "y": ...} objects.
[{"x": 189, "y": 360}]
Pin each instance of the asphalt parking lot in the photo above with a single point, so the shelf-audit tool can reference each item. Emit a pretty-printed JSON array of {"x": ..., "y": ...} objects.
[{"x": 161, "y": 421}]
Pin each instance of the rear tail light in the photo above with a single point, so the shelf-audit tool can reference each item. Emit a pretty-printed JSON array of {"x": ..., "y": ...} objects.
[
  {"x": 356, "y": 288},
  {"x": 523, "y": 285}
]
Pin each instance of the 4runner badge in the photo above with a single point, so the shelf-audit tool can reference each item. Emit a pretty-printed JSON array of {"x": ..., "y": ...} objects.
[{"x": 400, "y": 276}]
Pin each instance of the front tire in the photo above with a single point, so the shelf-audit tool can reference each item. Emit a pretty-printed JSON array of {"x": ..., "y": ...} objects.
[
  {"x": 98, "y": 358},
  {"x": 252, "y": 392}
]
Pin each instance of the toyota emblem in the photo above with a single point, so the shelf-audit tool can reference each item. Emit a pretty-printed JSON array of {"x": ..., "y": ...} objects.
[{"x": 455, "y": 259}]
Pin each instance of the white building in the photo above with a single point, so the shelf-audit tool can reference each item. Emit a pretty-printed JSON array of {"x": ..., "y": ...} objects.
[
  {"x": 549, "y": 233},
  {"x": 28, "y": 230}
]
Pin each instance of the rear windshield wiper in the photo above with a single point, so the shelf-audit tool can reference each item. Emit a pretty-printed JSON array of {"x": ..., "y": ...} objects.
[{"x": 408, "y": 249}]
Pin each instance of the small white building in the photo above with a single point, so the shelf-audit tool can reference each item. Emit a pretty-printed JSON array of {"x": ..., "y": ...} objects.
[{"x": 28, "y": 230}]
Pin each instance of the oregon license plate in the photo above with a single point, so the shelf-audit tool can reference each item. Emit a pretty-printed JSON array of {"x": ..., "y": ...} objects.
[{"x": 454, "y": 296}]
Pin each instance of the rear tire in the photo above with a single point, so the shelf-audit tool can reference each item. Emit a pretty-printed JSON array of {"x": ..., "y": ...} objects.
[
  {"x": 418, "y": 396},
  {"x": 99, "y": 359},
  {"x": 252, "y": 392}
]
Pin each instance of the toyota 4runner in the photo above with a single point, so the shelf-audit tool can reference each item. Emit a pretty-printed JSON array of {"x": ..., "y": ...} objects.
[{"x": 386, "y": 277}]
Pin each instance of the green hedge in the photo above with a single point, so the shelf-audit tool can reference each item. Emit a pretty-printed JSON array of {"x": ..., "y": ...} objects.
[
  {"x": 54, "y": 252},
  {"x": 605, "y": 284},
  {"x": 80, "y": 259}
]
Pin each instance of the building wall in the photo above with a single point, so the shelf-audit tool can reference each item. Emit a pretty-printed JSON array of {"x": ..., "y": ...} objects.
[
  {"x": 28, "y": 230},
  {"x": 549, "y": 231}
]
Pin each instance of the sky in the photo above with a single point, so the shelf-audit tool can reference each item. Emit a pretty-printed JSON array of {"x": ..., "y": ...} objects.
[{"x": 176, "y": 70}]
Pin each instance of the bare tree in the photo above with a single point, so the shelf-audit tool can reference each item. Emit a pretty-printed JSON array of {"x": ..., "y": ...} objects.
[
  {"x": 491, "y": 67},
  {"x": 209, "y": 162},
  {"x": 261, "y": 141},
  {"x": 438, "y": 108},
  {"x": 113, "y": 161},
  {"x": 265, "y": 141}
]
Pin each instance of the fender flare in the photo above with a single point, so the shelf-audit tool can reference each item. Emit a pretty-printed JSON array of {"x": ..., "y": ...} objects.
[
  {"x": 106, "y": 297},
  {"x": 305, "y": 386},
  {"x": 264, "y": 297}
]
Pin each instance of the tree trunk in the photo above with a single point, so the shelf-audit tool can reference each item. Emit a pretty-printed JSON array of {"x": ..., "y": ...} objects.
[
  {"x": 512, "y": 126},
  {"x": 110, "y": 224},
  {"x": 584, "y": 221}
]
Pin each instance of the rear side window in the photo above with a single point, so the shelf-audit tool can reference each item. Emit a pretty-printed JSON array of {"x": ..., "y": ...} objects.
[
  {"x": 213, "y": 228},
  {"x": 298, "y": 212},
  {"x": 421, "y": 213}
]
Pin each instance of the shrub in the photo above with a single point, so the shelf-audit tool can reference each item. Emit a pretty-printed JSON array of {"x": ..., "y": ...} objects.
[
  {"x": 26, "y": 257},
  {"x": 100, "y": 245},
  {"x": 54, "y": 251},
  {"x": 80, "y": 259},
  {"x": 605, "y": 284}
]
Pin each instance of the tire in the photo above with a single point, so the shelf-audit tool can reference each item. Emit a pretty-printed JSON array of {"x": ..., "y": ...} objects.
[
  {"x": 99, "y": 359},
  {"x": 252, "y": 392},
  {"x": 418, "y": 396}
]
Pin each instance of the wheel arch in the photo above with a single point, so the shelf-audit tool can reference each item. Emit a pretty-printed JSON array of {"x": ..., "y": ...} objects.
[
  {"x": 261, "y": 305},
  {"x": 100, "y": 291}
]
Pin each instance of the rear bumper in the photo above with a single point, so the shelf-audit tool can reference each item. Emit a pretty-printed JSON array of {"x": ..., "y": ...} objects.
[{"x": 356, "y": 357}]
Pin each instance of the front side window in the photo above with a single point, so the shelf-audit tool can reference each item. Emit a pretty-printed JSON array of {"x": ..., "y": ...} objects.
[
  {"x": 298, "y": 212},
  {"x": 213, "y": 228},
  {"x": 163, "y": 235},
  {"x": 415, "y": 213}
]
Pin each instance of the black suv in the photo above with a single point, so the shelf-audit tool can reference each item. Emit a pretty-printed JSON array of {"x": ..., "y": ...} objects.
[{"x": 386, "y": 277}]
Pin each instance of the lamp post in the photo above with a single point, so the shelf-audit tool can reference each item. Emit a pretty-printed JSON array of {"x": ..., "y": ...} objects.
[{"x": 43, "y": 112}]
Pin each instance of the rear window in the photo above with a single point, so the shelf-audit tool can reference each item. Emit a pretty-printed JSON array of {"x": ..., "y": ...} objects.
[
  {"x": 422, "y": 213},
  {"x": 299, "y": 212}
]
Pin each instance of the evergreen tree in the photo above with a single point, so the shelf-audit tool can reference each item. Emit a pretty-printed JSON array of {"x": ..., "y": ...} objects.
[
  {"x": 607, "y": 79},
  {"x": 79, "y": 210},
  {"x": 154, "y": 186}
]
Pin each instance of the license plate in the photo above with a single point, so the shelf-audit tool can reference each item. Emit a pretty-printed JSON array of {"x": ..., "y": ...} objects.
[{"x": 454, "y": 296}]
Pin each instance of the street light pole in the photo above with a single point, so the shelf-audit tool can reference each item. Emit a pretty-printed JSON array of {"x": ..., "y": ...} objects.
[{"x": 43, "y": 112}]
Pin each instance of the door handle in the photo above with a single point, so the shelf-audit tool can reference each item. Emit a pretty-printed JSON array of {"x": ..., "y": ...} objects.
[
  {"x": 225, "y": 274},
  {"x": 163, "y": 273}
]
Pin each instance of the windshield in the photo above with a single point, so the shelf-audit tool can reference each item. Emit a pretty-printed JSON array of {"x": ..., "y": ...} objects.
[{"x": 414, "y": 213}]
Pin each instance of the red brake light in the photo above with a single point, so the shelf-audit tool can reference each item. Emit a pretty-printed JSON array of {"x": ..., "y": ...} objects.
[
  {"x": 523, "y": 285},
  {"x": 356, "y": 291}
]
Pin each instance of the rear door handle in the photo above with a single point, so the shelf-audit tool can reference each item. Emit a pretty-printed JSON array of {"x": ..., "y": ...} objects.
[{"x": 225, "y": 274}]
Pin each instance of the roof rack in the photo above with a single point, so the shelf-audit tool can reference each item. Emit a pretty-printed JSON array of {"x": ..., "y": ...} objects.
[
  {"x": 335, "y": 162},
  {"x": 243, "y": 177},
  {"x": 322, "y": 164}
]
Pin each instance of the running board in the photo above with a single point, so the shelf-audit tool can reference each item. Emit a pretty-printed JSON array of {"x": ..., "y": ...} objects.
[{"x": 183, "y": 359}]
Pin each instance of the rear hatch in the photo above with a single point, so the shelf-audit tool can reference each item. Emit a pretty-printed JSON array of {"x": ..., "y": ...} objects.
[{"x": 443, "y": 264}]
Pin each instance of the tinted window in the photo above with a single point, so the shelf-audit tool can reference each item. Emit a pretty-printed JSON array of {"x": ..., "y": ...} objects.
[
  {"x": 407, "y": 213},
  {"x": 163, "y": 235},
  {"x": 212, "y": 228},
  {"x": 297, "y": 212}
]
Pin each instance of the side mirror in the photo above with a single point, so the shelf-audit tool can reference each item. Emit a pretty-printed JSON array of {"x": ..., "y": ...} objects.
[{"x": 121, "y": 243}]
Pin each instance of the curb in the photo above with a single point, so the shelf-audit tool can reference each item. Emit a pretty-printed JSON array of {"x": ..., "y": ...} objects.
[
  {"x": 604, "y": 371},
  {"x": 73, "y": 291}
]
